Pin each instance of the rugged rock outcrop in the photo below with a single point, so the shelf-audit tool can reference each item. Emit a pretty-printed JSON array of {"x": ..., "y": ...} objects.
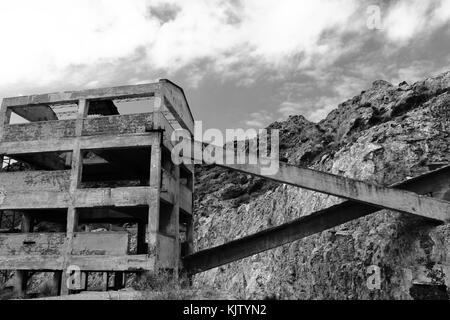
[{"x": 384, "y": 135}]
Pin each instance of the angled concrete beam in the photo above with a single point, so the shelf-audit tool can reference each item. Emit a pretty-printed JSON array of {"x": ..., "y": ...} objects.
[
  {"x": 382, "y": 197},
  {"x": 350, "y": 189},
  {"x": 432, "y": 183}
]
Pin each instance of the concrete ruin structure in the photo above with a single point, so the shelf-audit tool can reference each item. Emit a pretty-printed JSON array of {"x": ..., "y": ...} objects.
[{"x": 100, "y": 156}]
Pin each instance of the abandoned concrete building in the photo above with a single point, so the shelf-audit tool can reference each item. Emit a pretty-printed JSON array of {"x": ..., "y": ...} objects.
[{"x": 102, "y": 156}]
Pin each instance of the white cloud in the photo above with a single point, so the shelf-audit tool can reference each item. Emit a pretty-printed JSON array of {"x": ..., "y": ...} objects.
[
  {"x": 259, "y": 119},
  {"x": 314, "y": 109},
  {"x": 42, "y": 39},
  {"x": 417, "y": 71},
  {"x": 292, "y": 26},
  {"x": 442, "y": 12},
  {"x": 323, "y": 106},
  {"x": 268, "y": 30},
  {"x": 328, "y": 90},
  {"x": 89, "y": 42},
  {"x": 289, "y": 108},
  {"x": 408, "y": 18},
  {"x": 405, "y": 19}
]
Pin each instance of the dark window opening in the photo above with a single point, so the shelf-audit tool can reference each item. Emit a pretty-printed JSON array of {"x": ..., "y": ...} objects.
[
  {"x": 41, "y": 221},
  {"x": 40, "y": 285},
  {"x": 166, "y": 211},
  {"x": 41, "y": 113},
  {"x": 47, "y": 220},
  {"x": 110, "y": 168},
  {"x": 185, "y": 222},
  {"x": 10, "y": 221},
  {"x": 429, "y": 292},
  {"x": 186, "y": 178},
  {"x": 46, "y": 161},
  {"x": 99, "y": 108}
]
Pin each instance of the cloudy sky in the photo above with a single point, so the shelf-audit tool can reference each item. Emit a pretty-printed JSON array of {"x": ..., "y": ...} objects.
[{"x": 242, "y": 63}]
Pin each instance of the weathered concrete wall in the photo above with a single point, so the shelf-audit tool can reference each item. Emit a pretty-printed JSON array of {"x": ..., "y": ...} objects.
[
  {"x": 84, "y": 243},
  {"x": 40, "y": 130},
  {"x": 121, "y": 124},
  {"x": 28, "y": 181},
  {"x": 31, "y": 244}
]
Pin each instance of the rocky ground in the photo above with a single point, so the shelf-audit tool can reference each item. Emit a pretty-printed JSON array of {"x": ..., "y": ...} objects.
[{"x": 386, "y": 134}]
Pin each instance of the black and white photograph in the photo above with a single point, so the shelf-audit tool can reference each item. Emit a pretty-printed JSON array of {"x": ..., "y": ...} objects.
[{"x": 221, "y": 157}]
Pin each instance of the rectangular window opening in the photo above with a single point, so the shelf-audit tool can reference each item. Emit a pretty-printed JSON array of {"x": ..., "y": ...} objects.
[
  {"x": 111, "y": 168},
  {"x": 41, "y": 161},
  {"x": 41, "y": 113},
  {"x": 135, "y": 105},
  {"x": 48, "y": 220},
  {"x": 107, "y": 221},
  {"x": 128, "y": 106}
]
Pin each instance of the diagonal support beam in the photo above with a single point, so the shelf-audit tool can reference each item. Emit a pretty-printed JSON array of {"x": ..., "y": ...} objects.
[
  {"x": 350, "y": 189},
  {"x": 433, "y": 183}
]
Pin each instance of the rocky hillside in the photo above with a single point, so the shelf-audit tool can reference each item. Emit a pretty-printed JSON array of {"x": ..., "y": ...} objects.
[{"x": 384, "y": 135}]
